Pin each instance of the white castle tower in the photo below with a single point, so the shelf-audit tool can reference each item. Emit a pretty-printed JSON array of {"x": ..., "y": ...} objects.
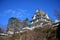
[{"x": 40, "y": 18}]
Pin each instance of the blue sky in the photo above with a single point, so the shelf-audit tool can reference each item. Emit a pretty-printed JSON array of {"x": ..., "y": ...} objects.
[{"x": 22, "y": 9}]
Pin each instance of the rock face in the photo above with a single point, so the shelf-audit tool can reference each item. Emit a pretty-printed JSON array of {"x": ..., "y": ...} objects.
[{"x": 36, "y": 34}]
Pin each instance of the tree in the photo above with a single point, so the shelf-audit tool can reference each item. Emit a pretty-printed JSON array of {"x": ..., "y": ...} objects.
[
  {"x": 57, "y": 14},
  {"x": 25, "y": 22}
]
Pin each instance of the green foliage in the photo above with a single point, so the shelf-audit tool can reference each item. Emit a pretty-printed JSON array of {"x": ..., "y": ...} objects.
[{"x": 25, "y": 22}]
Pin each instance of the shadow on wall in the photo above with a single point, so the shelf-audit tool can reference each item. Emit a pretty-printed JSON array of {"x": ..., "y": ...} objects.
[{"x": 58, "y": 32}]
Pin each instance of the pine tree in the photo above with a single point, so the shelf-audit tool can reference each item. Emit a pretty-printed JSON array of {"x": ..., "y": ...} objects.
[{"x": 25, "y": 22}]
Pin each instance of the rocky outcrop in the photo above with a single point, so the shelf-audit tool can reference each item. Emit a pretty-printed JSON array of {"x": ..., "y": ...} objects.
[{"x": 36, "y": 34}]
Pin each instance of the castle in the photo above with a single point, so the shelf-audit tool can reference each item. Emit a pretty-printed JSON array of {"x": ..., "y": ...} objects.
[{"x": 40, "y": 19}]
